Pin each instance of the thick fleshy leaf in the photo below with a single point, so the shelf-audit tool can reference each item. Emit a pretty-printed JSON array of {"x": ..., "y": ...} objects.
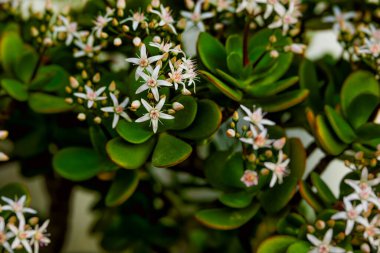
[
  {"x": 170, "y": 151},
  {"x": 231, "y": 80},
  {"x": 207, "y": 121},
  {"x": 234, "y": 44},
  {"x": 232, "y": 93},
  {"x": 308, "y": 195},
  {"x": 212, "y": 52},
  {"x": 213, "y": 168},
  {"x": 298, "y": 157},
  {"x": 309, "y": 80},
  {"x": 26, "y": 65},
  {"x": 326, "y": 137},
  {"x": 272, "y": 88},
  {"x": 358, "y": 83},
  {"x": 50, "y": 78},
  {"x": 233, "y": 170},
  {"x": 276, "y": 244},
  {"x": 15, "y": 89},
  {"x": 299, "y": 247},
  {"x": 184, "y": 117},
  {"x": 128, "y": 155},
  {"x": 369, "y": 131},
  {"x": 123, "y": 186},
  {"x": 45, "y": 103},
  {"x": 235, "y": 63},
  {"x": 341, "y": 127},
  {"x": 226, "y": 218},
  {"x": 240, "y": 199},
  {"x": 133, "y": 132},
  {"x": 77, "y": 163},
  {"x": 290, "y": 224},
  {"x": 11, "y": 50},
  {"x": 361, "y": 108},
  {"x": 98, "y": 139},
  {"x": 323, "y": 190}
]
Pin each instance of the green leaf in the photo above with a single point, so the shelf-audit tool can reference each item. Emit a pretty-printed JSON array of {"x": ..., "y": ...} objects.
[
  {"x": 232, "y": 93},
  {"x": 299, "y": 247},
  {"x": 231, "y": 80},
  {"x": 15, "y": 89},
  {"x": 15, "y": 191},
  {"x": 323, "y": 190},
  {"x": 308, "y": 195},
  {"x": 50, "y": 78},
  {"x": 11, "y": 50},
  {"x": 326, "y": 137},
  {"x": 45, "y": 103},
  {"x": 358, "y": 83},
  {"x": 128, "y": 155},
  {"x": 186, "y": 116},
  {"x": 170, "y": 151},
  {"x": 214, "y": 166},
  {"x": 25, "y": 66},
  {"x": 234, "y": 44},
  {"x": 240, "y": 199},
  {"x": 226, "y": 218},
  {"x": 276, "y": 244},
  {"x": 122, "y": 187},
  {"x": 298, "y": 157},
  {"x": 272, "y": 88},
  {"x": 98, "y": 139},
  {"x": 361, "y": 109},
  {"x": 206, "y": 123},
  {"x": 211, "y": 52},
  {"x": 309, "y": 81},
  {"x": 77, "y": 163},
  {"x": 233, "y": 170},
  {"x": 341, "y": 127},
  {"x": 235, "y": 63},
  {"x": 369, "y": 131},
  {"x": 133, "y": 132}
]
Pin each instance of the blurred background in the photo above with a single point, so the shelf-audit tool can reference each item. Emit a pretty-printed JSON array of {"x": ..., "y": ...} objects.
[{"x": 79, "y": 239}]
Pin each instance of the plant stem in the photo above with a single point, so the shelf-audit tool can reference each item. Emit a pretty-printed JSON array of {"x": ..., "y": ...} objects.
[{"x": 35, "y": 70}]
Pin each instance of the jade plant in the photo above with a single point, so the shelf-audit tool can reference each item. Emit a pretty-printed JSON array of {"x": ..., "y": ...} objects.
[{"x": 180, "y": 116}]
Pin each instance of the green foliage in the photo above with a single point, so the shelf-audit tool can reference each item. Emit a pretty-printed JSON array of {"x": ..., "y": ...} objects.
[{"x": 122, "y": 187}]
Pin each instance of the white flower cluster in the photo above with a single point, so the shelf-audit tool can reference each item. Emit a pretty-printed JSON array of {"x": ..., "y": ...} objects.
[
  {"x": 256, "y": 135},
  {"x": 371, "y": 45},
  {"x": 341, "y": 20},
  {"x": 361, "y": 211},
  {"x": 16, "y": 234}
]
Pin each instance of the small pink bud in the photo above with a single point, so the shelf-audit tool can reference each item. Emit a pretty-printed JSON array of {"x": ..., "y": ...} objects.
[
  {"x": 177, "y": 106},
  {"x": 74, "y": 82},
  {"x": 121, "y": 4},
  {"x": 280, "y": 143},
  {"x": 82, "y": 116},
  {"x": 135, "y": 104},
  {"x": 117, "y": 42},
  {"x": 231, "y": 133},
  {"x": 274, "y": 54},
  {"x": 155, "y": 3},
  {"x": 250, "y": 178},
  {"x": 3, "y": 135},
  {"x": 137, "y": 41}
]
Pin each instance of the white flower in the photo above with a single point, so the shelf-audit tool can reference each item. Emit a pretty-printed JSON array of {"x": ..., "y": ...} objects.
[
  {"x": 117, "y": 110},
  {"x": 137, "y": 18},
  {"x": 250, "y": 6},
  {"x": 258, "y": 140},
  {"x": 86, "y": 49},
  {"x": 101, "y": 22},
  {"x": 224, "y": 5},
  {"x": 324, "y": 246},
  {"x": 91, "y": 95},
  {"x": 154, "y": 113},
  {"x": 351, "y": 214},
  {"x": 40, "y": 238},
  {"x": 250, "y": 178},
  {"x": 176, "y": 76},
  {"x": 371, "y": 230},
  {"x": 21, "y": 235},
  {"x": 152, "y": 82},
  {"x": 166, "y": 18},
  {"x": 371, "y": 47},
  {"x": 286, "y": 17},
  {"x": 196, "y": 17},
  {"x": 165, "y": 47},
  {"x": 363, "y": 190},
  {"x": 279, "y": 169},
  {"x": 70, "y": 28},
  {"x": 4, "y": 236},
  {"x": 256, "y": 117},
  {"x": 373, "y": 32},
  {"x": 272, "y": 5},
  {"x": 17, "y": 206},
  {"x": 341, "y": 20},
  {"x": 296, "y": 48},
  {"x": 143, "y": 62}
]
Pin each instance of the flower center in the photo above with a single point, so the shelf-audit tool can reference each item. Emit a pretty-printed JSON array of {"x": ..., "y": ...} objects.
[
  {"x": 154, "y": 114},
  {"x": 3, "y": 238},
  {"x": 371, "y": 231},
  {"x": 72, "y": 28},
  {"x": 144, "y": 62},
  {"x": 101, "y": 21},
  {"x": 119, "y": 109},
  {"x": 22, "y": 235},
  {"x": 250, "y": 178},
  {"x": 323, "y": 249},
  {"x": 365, "y": 191},
  {"x": 196, "y": 17},
  {"x": 279, "y": 170},
  {"x": 91, "y": 95},
  {"x": 260, "y": 140},
  {"x": 88, "y": 49},
  {"x": 17, "y": 207},
  {"x": 256, "y": 117},
  {"x": 138, "y": 17},
  {"x": 152, "y": 83},
  {"x": 352, "y": 214}
]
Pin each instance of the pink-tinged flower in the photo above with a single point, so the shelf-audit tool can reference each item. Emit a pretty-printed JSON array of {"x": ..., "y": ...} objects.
[
  {"x": 5, "y": 236},
  {"x": 279, "y": 169},
  {"x": 341, "y": 20},
  {"x": 258, "y": 139},
  {"x": 117, "y": 110},
  {"x": 250, "y": 6},
  {"x": 17, "y": 206},
  {"x": 152, "y": 82},
  {"x": 371, "y": 231},
  {"x": 143, "y": 62},
  {"x": 40, "y": 238},
  {"x": 256, "y": 117},
  {"x": 280, "y": 143},
  {"x": 21, "y": 235},
  {"x": 166, "y": 18},
  {"x": 91, "y": 95},
  {"x": 272, "y": 5},
  {"x": 71, "y": 30},
  {"x": 373, "y": 32},
  {"x": 86, "y": 49},
  {"x": 351, "y": 214},
  {"x": 102, "y": 21},
  {"x": 363, "y": 190},
  {"x": 287, "y": 18},
  {"x": 324, "y": 246},
  {"x": 154, "y": 113},
  {"x": 196, "y": 17},
  {"x": 250, "y": 178},
  {"x": 137, "y": 18},
  {"x": 371, "y": 47},
  {"x": 225, "y": 5}
]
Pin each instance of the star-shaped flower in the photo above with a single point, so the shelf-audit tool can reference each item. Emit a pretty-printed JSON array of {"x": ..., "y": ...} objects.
[
  {"x": 258, "y": 139},
  {"x": 154, "y": 113},
  {"x": 250, "y": 6},
  {"x": 17, "y": 206},
  {"x": 279, "y": 169},
  {"x": 287, "y": 17},
  {"x": 117, "y": 109},
  {"x": 102, "y": 21},
  {"x": 166, "y": 18},
  {"x": 21, "y": 235},
  {"x": 341, "y": 20},
  {"x": 272, "y": 5},
  {"x": 86, "y": 49},
  {"x": 196, "y": 17},
  {"x": 40, "y": 238},
  {"x": 152, "y": 82},
  {"x": 70, "y": 28},
  {"x": 324, "y": 246},
  {"x": 137, "y": 18},
  {"x": 4, "y": 236},
  {"x": 250, "y": 178},
  {"x": 256, "y": 117},
  {"x": 371, "y": 230},
  {"x": 91, "y": 95},
  {"x": 351, "y": 214}
]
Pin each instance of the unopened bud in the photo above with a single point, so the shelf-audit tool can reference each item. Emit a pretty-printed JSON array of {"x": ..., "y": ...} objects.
[
  {"x": 69, "y": 100},
  {"x": 269, "y": 153},
  {"x": 84, "y": 74},
  {"x": 232, "y": 125},
  {"x": 189, "y": 4},
  {"x": 96, "y": 78},
  {"x": 48, "y": 42},
  {"x": 3, "y": 157},
  {"x": 135, "y": 105},
  {"x": 117, "y": 42},
  {"x": 34, "y": 221},
  {"x": 68, "y": 89},
  {"x": 320, "y": 224},
  {"x": 177, "y": 106},
  {"x": 34, "y": 31},
  {"x": 121, "y": 4},
  {"x": 331, "y": 223},
  {"x": 125, "y": 28},
  {"x": 112, "y": 86},
  {"x": 97, "y": 120},
  {"x": 157, "y": 39},
  {"x": 235, "y": 116},
  {"x": 171, "y": 111},
  {"x": 273, "y": 39},
  {"x": 365, "y": 248},
  {"x": 186, "y": 92},
  {"x": 280, "y": 143},
  {"x": 310, "y": 229},
  {"x": 252, "y": 158},
  {"x": 274, "y": 54},
  {"x": 219, "y": 26},
  {"x": 265, "y": 172},
  {"x": 136, "y": 41},
  {"x": 3, "y": 135},
  {"x": 155, "y": 3},
  {"x": 81, "y": 116},
  {"x": 231, "y": 133},
  {"x": 359, "y": 155}
]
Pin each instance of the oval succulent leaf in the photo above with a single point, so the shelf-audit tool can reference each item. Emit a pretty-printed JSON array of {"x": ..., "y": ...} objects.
[
  {"x": 323, "y": 190},
  {"x": 133, "y": 132},
  {"x": 361, "y": 109},
  {"x": 276, "y": 244},
  {"x": 122, "y": 187},
  {"x": 341, "y": 127},
  {"x": 15, "y": 89},
  {"x": 11, "y": 48},
  {"x": 326, "y": 137},
  {"x": 272, "y": 88},
  {"x": 211, "y": 52},
  {"x": 240, "y": 199},
  {"x": 45, "y": 103},
  {"x": 186, "y": 116}
]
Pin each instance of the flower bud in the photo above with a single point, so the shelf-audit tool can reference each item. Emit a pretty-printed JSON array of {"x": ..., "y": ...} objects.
[
  {"x": 121, "y": 4},
  {"x": 117, "y": 42},
  {"x": 252, "y": 158},
  {"x": 219, "y": 26},
  {"x": 274, "y": 54},
  {"x": 280, "y": 143},
  {"x": 155, "y": 3},
  {"x": 231, "y": 133},
  {"x": 177, "y": 106},
  {"x": 310, "y": 229},
  {"x": 69, "y": 100},
  {"x": 96, "y": 78},
  {"x": 157, "y": 39},
  {"x": 84, "y": 74},
  {"x": 365, "y": 248},
  {"x": 3, "y": 157},
  {"x": 186, "y": 92},
  {"x": 273, "y": 39},
  {"x": 135, "y": 105},
  {"x": 3, "y": 135},
  {"x": 81, "y": 116},
  {"x": 181, "y": 24},
  {"x": 359, "y": 155},
  {"x": 48, "y": 42},
  {"x": 137, "y": 41},
  {"x": 97, "y": 120},
  {"x": 189, "y": 4},
  {"x": 125, "y": 28},
  {"x": 268, "y": 153},
  {"x": 171, "y": 111},
  {"x": 320, "y": 224},
  {"x": 265, "y": 172},
  {"x": 232, "y": 125},
  {"x": 34, "y": 31},
  {"x": 115, "y": 22},
  {"x": 34, "y": 221},
  {"x": 112, "y": 86},
  {"x": 68, "y": 89},
  {"x": 235, "y": 116}
]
